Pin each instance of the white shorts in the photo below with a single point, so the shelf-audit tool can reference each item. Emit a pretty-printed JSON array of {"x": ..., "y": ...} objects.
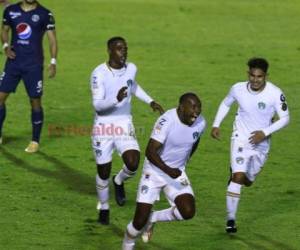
[
  {"x": 107, "y": 137},
  {"x": 152, "y": 183},
  {"x": 246, "y": 159}
]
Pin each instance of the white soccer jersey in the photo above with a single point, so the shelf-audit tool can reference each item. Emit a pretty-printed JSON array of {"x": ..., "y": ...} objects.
[
  {"x": 105, "y": 85},
  {"x": 177, "y": 139},
  {"x": 256, "y": 110}
]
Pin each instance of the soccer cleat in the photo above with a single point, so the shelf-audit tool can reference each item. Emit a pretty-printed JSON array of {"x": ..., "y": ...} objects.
[
  {"x": 32, "y": 147},
  {"x": 103, "y": 217},
  {"x": 148, "y": 232},
  {"x": 119, "y": 193},
  {"x": 230, "y": 226}
]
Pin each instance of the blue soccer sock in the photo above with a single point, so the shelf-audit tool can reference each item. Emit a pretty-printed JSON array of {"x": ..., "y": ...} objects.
[
  {"x": 37, "y": 118},
  {"x": 2, "y": 117}
]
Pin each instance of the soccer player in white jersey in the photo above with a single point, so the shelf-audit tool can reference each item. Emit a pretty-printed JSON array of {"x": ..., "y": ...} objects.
[
  {"x": 258, "y": 101},
  {"x": 174, "y": 139},
  {"x": 112, "y": 84}
]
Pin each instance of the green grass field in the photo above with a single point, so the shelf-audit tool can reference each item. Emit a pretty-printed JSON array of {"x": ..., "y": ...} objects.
[{"x": 48, "y": 199}]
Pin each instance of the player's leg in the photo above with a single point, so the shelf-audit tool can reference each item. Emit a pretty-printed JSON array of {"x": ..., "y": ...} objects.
[
  {"x": 181, "y": 197},
  {"x": 239, "y": 161},
  {"x": 103, "y": 150},
  {"x": 102, "y": 187},
  {"x": 33, "y": 80},
  {"x": 128, "y": 148},
  {"x": 131, "y": 160},
  {"x": 3, "y": 97},
  {"x": 9, "y": 80},
  {"x": 135, "y": 227},
  {"x": 148, "y": 192},
  {"x": 255, "y": 166}
]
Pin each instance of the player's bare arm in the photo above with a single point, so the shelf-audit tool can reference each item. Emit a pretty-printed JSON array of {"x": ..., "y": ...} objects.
[
  {"x": 5, "y": 37},
  {"x": 215, "y": 133},
  {"x": 257, "y": 137},
  {"x": 152, "y": 155},
  {"x": 53, "y": 52},
  {"x": 157, "y": 107}
]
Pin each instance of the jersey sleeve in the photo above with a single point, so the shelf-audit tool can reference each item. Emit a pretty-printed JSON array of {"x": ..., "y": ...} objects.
[
  {"x": 161, "y": 128},
  {"x": 224, "y": 108},
  {"x": 6, "y": 17},
  {"x": 50, "y": 21},
  {"x": 281, "y": 106},
  {"x": 282, "y": 111},
  {"x": 140, "y": 93},
  {"x": 100, "y": 103},
  {"x": 230, "y": 98}
]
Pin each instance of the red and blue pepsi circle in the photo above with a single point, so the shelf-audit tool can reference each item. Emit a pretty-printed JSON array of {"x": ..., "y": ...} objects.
[{"x": 24, "y": 31}]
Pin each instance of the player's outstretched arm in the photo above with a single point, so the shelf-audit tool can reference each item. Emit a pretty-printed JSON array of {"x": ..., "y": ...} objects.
[
  {"x": 152, "y": 155},
  {"x": 157, "y": 107},
  {"x": 53, "y": 52}
]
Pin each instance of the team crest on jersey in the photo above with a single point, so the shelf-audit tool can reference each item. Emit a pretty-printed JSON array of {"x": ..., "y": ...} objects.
[
  {"x": 24, "y": 31},
  {"x": 239, "y": 160},
  {"x": 144, "y": 189},
  {"x": 129, "y": 83},
  {"x": 261, "y": 105},
  {"x": 35, "y": 18},
  {"x": 195, "y": 135}
]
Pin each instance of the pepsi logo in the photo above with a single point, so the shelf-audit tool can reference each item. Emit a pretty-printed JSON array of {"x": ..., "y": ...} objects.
[{"x": 23, "y": 30}]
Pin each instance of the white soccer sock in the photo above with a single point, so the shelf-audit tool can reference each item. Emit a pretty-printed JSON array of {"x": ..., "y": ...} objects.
[
  {"x": 130, "y": 237},
  {"x": 123, "y": 175},
  {"x": 232, "y": 199},
  {"x": 169, "y": 214},
  {"x": 102, "y": 187}
]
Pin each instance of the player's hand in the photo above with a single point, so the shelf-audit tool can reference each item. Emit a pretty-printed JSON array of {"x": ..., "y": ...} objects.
[
  {"x": 156, "y": 107},
  {"x": 10, "y": 53},
  {"x": 257, "y": 137},
  {"x": 215, "y": 133},
  {"x": 52, "y": 70},
  {"x": 122, "y": 94},
  {"x": 173, "y": 172}
]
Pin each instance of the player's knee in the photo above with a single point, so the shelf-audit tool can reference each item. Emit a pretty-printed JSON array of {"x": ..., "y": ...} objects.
[
  {"x": 187, "y": 212},
  {"x": 239, "y": 178},
  {"x": 132, "y": 161},
  {"x": 103, "y": 170}
]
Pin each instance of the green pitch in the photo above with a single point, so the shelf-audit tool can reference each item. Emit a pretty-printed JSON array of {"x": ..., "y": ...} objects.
[{"x": 48, "y": 200}]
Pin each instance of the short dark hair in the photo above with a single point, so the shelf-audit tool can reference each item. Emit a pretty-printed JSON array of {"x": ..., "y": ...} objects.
[
  {"x": 113, "y": 40},
  {"x": 186, "y": 96},
  {"x": 259, "y": 63}
]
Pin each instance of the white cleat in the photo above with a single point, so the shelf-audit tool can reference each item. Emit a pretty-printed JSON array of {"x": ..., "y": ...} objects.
[
  {"x": 32, "y": 147},
  {"x": 148, "y": 232}
]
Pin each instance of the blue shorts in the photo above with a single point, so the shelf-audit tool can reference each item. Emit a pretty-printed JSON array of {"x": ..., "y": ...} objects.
[{"x": 31, "y": 76}]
